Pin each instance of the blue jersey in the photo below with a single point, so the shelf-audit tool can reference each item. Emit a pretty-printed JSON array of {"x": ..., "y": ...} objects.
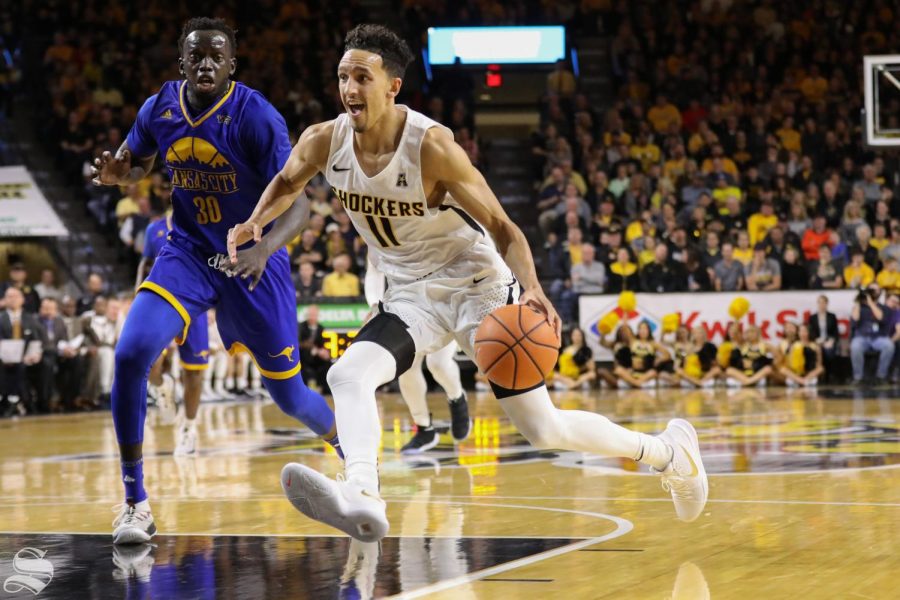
[
  {"x": 220, "y": 161},
  {"x": 156, "y": 236}
]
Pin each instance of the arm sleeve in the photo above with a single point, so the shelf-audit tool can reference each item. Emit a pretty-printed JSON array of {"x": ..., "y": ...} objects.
[
  {"x": 140, "y": 140},
  {"x": 148, "y": 242},
  {"x": 266, "y": 137}
]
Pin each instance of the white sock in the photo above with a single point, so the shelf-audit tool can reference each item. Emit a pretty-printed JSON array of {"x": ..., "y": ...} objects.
[
  {"x": 546, "y": 427},
  {"x": 445, "y": 370},
  {"x": 414, "y": 388},
  {"x": 353, "y": 380}
]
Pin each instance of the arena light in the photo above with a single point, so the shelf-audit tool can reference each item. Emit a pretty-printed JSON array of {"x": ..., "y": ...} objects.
[{"x": 496, "y": 45}]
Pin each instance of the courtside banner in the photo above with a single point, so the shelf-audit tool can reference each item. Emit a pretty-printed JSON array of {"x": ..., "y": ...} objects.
[
  {"x": 768, "y": 310},
  {"x": 24, "y": 211}
]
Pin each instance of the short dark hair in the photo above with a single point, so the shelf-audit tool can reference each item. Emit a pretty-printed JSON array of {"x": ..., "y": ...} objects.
[
  {"x": 378, "y": 39},
  {"x": 207, "y": 24}
]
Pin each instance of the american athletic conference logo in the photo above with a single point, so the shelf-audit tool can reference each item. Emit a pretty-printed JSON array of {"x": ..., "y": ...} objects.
[{"x": 34, "y": 572}]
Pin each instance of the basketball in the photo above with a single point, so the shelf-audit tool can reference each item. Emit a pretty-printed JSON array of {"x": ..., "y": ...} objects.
[{"x": 515, "y": 347}]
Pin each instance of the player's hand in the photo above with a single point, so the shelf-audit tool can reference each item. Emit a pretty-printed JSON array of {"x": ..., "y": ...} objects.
[
  {"x": 111, "y": 170},
  {"x": 250, "y": 263},
  {"x": 241, "y": 234},
  {"x": 536, "y": 299}
]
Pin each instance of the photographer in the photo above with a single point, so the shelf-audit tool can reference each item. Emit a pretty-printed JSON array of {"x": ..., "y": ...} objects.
[{"x": 868, "y": 322}]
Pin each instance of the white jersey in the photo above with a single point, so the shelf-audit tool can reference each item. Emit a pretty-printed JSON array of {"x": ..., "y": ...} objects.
[{"x": 406, "y": 239}]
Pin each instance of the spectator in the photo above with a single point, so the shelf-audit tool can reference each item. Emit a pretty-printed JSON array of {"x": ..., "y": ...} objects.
[
  {"x": 306, "y": 282},
  {"x": 341, "y": 283},
  {"x": 729, "y": 273},
  {"x": 868, "y": 325},
  {"x": 18, "y": 279},
  {"x": 52, "y": 332},
  {"x": 763, "y": 273},
  {"x": 47, "y": 288},
  {"x": 311, "y": 250},
  {"x": 588, "y": 276},
  {"x": 888, "y": 279},
  {"x": 814, "y": 238},
  {"x": 858, "y": 274},
  {"x": 95, "y": 285},
  {"x": 871, "y": 189},
  {"x": 17, "y": 324},
  {"x": 71, "y": 361},
  {"x": 100, "y": 336},
  {"x": 623, "y": 274},
  {"x": 314, "y": 356},
  {"x": 892, "y": 250},
  {"x": 711, "y": 252},
  {"x": 664, "y": 116},
  {"x": 561, "y": 81},
  {"x": 743, "y": 253},
  {"x": 794, "y": 276},
  {"x": 663, "y": 274},
  {"x": 697, "y": 273},
  {"x": 864, "y": 241},
  {"x": 759, "y": 224},
  {"x": 851, "y": 221},
  {"x": 825, "y": 274},
  {"x": 823, "y": 329}
]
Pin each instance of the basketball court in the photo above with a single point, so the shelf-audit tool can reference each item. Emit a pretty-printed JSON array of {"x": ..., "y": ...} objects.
[{"x": 804, "y": 502}]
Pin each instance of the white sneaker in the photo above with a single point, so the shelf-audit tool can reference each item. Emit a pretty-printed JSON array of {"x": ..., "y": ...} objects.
[
  {"x": 709, "y": 383},
  {"x": 345, "y": 505},
  {"x": 685, "y": 476},
  {"x": 791, "y": 383},
  {"x": 132, "y": 561},
  {"x": 732, "y": 383},
  {"x": 134, "y": 525},
  {"x": 186, "y": 440},
  {"x": 762, "y": 383},
  {"x": 623, "y": 385},
  {"x": 165, "y": 400},
  {"x": 481, "y": 386},
  {"x": 811, "y": 383},
  {"x": 686, "y": 385}
]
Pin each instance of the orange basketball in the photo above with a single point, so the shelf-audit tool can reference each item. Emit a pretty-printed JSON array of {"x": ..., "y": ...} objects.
[{"x": 515, "y": 347}]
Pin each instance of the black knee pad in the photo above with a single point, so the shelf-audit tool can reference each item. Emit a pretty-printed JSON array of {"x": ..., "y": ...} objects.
[{"x": 391, "y": 333}]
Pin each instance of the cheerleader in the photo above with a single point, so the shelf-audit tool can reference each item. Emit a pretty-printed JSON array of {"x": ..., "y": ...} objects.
[
  {"x": 620, "y": 346},
  {"x": 700, "y": 368},
  {"x": 678, "y": 349},
  {"x": 804, "y": 361},
  {"x": 755, "y": 361},
  {"x": 576, "y": 366},
  {"x": 781, "y": 351},
  {"x": 646, "y": 353}
]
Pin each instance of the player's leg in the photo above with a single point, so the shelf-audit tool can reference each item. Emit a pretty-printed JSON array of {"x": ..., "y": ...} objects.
[
  {"x": 151, "y": 324},
  {"x": 385, "y": 347},
  {"x": 177, "y": 288},
  {"x": 414, "y": 390},
  {"x": 194, "y": 354},
  {"x": 263, "y": 323},
  {"x": 675, "y": 453},
  {"x": 444, "y": 368}
]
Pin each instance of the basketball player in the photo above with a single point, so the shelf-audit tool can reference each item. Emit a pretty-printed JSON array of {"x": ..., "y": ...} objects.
[
  {"x": 194, "y": 352},
  {"x": 221, "y": 142},
  {"x": 423, "y": 209},
  {"x": 414, "y": 388}
]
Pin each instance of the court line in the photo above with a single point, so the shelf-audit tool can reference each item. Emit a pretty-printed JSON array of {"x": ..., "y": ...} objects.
[
  {"x": 623, "y": 526},
  {"x": 308, "y": 535},
  {"x": 29, "y": 502}
]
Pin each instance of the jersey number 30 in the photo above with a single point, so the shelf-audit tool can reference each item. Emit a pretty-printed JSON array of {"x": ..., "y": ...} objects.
[{"x": 207, "y": 209}]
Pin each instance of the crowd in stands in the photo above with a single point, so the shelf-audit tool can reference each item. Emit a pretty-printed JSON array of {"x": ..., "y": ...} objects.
[{"x": 729, "y": 158}]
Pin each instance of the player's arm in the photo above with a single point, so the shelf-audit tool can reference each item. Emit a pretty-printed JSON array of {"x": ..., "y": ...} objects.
[
  {"x": 445, "y": 161},
  {"x": 252, "y": 261},
  {"x": 307, "y": 158},
  {"x": 143, "y": 270},
  {"x": 122, "y": 169}
]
